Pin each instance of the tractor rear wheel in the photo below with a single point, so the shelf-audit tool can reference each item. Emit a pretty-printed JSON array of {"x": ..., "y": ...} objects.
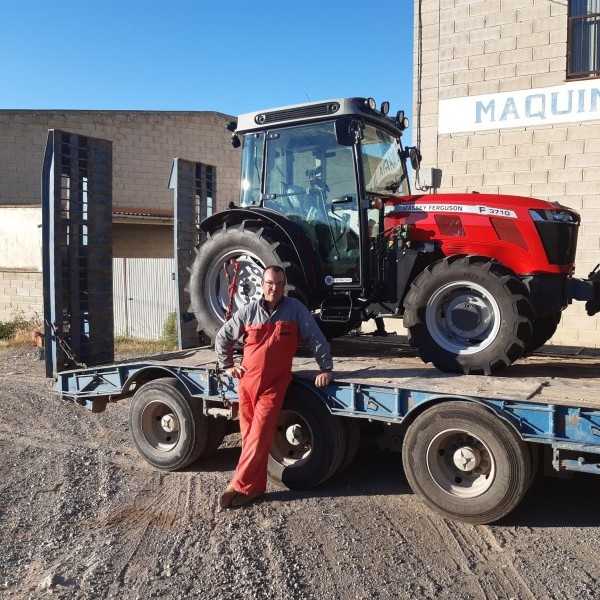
[
  {"x": 253, "y": 247},
  {"x": 468, "y": 314}
]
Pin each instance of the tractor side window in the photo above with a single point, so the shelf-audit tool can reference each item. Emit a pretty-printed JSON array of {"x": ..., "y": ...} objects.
[
  {"x": 252, "y": 161},
  {"x": 383, "y": 171}
]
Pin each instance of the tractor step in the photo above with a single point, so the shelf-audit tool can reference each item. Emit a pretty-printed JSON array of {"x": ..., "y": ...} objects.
[{"x": 336, "y": 308}]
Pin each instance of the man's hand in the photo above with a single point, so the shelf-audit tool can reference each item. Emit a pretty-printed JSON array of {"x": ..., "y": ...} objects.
[
  {"x": 323, "y": 378},
  {"x": 235, "y": 371}
]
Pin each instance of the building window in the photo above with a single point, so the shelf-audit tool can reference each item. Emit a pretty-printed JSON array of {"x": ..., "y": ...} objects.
[{"x": 583, "y": 44}]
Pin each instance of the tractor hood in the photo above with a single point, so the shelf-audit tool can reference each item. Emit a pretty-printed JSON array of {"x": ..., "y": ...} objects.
[
  {"x": 480, "y": 204},
  {"x": 525, "y": 234}
]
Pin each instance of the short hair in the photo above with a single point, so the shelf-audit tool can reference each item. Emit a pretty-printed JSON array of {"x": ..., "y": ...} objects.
[{"x": 274, "y": 269}]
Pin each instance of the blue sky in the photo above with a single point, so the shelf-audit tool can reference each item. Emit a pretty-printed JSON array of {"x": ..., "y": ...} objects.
[{"x": 228, "y": 56}]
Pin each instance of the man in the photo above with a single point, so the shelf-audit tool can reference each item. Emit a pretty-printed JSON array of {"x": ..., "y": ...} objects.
[{"x": 271, "y": 328}]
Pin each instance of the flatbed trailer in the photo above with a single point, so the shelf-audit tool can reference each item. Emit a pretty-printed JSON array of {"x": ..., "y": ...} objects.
[
  {"x": 471, "y": 445},
  {"x": 464, "y": 438}
]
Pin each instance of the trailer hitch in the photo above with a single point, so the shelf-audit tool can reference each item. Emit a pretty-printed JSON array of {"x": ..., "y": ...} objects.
[{"x": 593, "y": 306}]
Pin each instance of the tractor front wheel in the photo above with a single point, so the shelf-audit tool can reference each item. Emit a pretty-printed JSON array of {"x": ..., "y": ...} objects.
[
  {"x": 544, "y": 327},
  {"x": 468, "y": 314}
]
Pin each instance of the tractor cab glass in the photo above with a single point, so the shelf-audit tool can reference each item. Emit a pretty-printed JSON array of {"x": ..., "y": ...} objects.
[
  {"x": 384, "y": 172},
  {"x": 252, "y": 161},
  {"x": 310, "y": 178}
]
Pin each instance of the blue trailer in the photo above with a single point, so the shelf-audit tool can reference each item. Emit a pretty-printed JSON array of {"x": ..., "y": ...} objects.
[{"x": 471, "y": 445}]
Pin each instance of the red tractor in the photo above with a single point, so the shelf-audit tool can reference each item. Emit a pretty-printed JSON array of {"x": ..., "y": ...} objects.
[{"x": 479, "y": 279}]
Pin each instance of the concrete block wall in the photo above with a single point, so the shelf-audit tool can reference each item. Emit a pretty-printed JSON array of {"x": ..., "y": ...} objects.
[
  {"x": 21, "y": 295},
  {"x": 144, "y": 145},
  {"x": 472, "y": 47}
]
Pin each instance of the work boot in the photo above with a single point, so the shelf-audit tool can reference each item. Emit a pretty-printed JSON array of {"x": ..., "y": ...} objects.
[
  {"x": 380, "y": 331},
  {"x": 227, "y": 496},
  {"x": 243, "y": 499}
]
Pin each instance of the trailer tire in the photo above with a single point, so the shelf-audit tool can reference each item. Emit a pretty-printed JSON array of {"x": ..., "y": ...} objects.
[
  {"x": 254, "y": 247},
  {"x": 465, "y": 462},
  {"x": 168, "y": 427},
  {"x": 352, "y": 441},
  {"x": 468, "y": 314},
  {"x": 308, "y": 443}
]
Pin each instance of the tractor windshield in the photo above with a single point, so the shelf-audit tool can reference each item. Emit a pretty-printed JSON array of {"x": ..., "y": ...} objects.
[
  {"x": 310, "y": 178},
  {"x": 383, "y": 170}
]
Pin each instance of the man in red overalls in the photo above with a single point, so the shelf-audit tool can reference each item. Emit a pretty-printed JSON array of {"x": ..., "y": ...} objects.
[{"x": 271, "y": 328}]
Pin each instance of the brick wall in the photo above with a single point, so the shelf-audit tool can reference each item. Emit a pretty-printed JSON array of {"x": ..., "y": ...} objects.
[{"x": 466, "y": 48}]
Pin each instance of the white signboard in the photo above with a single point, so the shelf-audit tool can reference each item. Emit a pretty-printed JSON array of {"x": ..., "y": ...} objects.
[{"x": 568, "y": 103}]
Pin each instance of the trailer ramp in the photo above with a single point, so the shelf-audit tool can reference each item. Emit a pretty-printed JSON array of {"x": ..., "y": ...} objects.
[{"x": 77, "y": 251}]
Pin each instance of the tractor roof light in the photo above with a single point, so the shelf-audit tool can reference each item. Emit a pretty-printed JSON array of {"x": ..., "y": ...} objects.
[
  {"x": 384, "y": 109},
  {"x": 401, "y": 120},
  {"x": 370, "y": 103}
]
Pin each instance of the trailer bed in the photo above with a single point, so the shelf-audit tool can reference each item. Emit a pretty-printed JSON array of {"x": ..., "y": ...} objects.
[{"x": 557, "y": 375}]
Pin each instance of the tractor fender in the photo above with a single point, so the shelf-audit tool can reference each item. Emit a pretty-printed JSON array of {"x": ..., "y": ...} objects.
[{"x": 291, "y": 231}]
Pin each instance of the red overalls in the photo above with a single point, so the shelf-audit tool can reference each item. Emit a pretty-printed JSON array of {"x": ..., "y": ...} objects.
[{"x": 268, "y": 352}]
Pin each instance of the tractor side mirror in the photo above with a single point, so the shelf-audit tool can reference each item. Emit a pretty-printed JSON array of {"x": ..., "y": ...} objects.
[
  {"x": 348, "y": 131},
  {"x": 415, "y": 157}
]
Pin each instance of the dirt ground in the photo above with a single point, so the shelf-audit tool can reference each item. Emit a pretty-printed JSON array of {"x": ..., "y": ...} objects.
[{"x": 83, "y": 516}]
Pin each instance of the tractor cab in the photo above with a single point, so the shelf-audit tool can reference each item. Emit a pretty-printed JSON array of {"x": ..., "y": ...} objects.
[
  {"x": 326, "y": 167},
  {"x": 314, "y": 181}
]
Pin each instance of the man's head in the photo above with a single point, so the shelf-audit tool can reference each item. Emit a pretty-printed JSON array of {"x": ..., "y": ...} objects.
[{"x": 273, "y": 284}]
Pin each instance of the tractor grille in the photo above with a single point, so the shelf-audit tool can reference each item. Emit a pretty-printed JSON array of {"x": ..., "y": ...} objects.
[
  {"x": 301, "y": 112},
  {"x": 559, "y": 240}
]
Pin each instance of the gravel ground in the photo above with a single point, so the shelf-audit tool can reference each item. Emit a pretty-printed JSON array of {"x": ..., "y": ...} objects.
[{"x": 83, "y": 516}]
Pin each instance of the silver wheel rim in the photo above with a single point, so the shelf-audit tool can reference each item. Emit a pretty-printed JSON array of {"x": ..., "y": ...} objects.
[
  {"x": 462, "y": 317},
  {"x": 292, "y": 440},
  {"x": 160, "y": 426},
  {"x": 248, "y": 285},
  {"x": 460, "y": 464}
]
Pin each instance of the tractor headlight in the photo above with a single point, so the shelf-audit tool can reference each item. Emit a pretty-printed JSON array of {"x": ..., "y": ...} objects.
[{"x": 560, "y": 216}]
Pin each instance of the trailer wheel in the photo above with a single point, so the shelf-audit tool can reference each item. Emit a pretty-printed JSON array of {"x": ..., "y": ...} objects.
[
  {"x": 168, "y": 428},
  {"x": 352, "y": 440},
  {"x": 544, "y": 327},
  {"x": 253, "y": 248},
  {"x": 308, "y": 443},
  {"x": 468, "y": 314},
  {"x": 466, "y": 463}
]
